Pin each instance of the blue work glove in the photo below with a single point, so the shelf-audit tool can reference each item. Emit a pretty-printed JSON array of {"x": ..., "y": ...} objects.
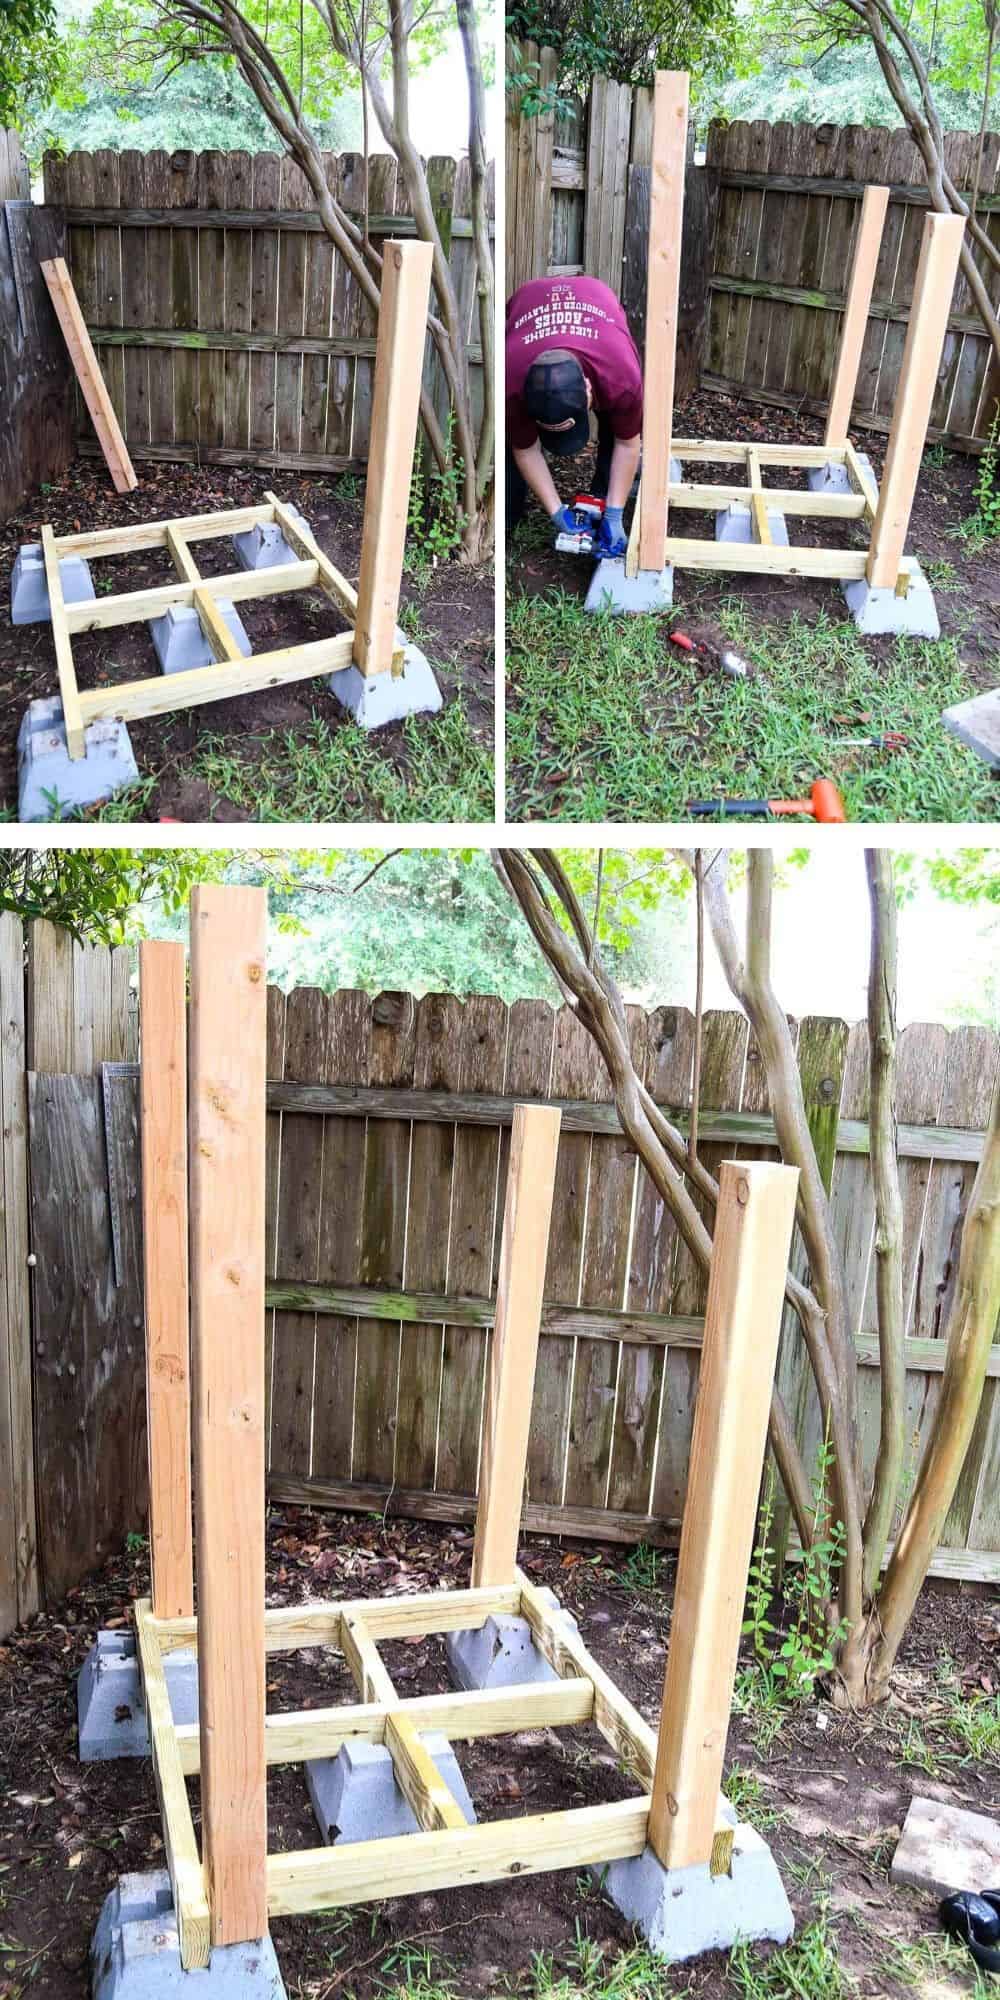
[
  {"x": 564, "y": 522},
  {"x": 609, "y": 540}
]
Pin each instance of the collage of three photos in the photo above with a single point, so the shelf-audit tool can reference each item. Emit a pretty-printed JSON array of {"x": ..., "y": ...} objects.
[{"x": 499, "y": 1207}]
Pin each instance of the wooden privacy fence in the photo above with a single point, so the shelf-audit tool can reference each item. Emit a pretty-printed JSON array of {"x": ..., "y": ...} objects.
[
  {"x": 387, "y": 1142},
  {"x": 228, "y": 329},
  {"x": 36, "y": 440},
  {"x": 789, "y": 198},
  {"x": 68, "y": 1383}
]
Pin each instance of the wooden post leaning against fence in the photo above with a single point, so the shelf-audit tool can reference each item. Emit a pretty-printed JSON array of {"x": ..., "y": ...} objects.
[
  {"x": 854, "y": 325},
  {"x": 940, "y": 250},
  {"x": 753, "y": 1233},
  {"x": 514, "y": 1347},
  {"x": 163, "y": 1091},
  {"x": 663, "y": 283},
  {"x": 399, "y": 365},
  {"x": 227, "y": 1097}
]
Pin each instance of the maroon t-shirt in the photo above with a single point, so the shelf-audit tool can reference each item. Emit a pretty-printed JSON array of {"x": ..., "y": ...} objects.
[{"x": 584, "y": 317}]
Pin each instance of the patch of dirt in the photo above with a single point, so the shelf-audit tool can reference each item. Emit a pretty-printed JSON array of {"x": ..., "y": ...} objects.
[
  {"x": 839, "y": 1786},
  {"x": 455, "y": 607},
  {"x": 945, "y": 498}
]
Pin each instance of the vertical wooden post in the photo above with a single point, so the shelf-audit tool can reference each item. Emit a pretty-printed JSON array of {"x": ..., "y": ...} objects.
[
  {"x": 753, "y": 1233},
  {"x": 937, "y": 270},
  {"x": 523, "y": 1253},
  {"x": 399, "y": 365},
  {"x": 228, "y": 1079},
  {"x": 854, "y": 325},
  {"x": 663, "y": 283},
  {"x": 163, "y": 1093}
]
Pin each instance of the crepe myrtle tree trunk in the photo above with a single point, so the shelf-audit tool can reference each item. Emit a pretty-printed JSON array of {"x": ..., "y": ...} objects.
[
  {"x": 212, "y": 27},
  {"x": 876, "y": 1606}
]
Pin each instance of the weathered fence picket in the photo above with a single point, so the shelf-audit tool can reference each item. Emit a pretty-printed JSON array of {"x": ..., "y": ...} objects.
[
  {"x": 228, "y": 329},
  {"x": 387, "y": 1145}
]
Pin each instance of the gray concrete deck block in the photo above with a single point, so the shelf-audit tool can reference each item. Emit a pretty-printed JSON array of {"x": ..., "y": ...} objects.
[
  {"x": 736, "y": 524},
  {"x": 180, "y": 641},
  {"x": 356, "y": 1795},
  {"x": 976, "y": 723},
  {"x": 376, "y": 699},
  {"x": 29, "y": 592},
  {"x": 265, "y": 546},
  {"x": 876, "y": 611},
  {"x": 684, "y": 1911},
  {"x": 835, "y": 478},
  {"x": 135, "y": 1953},
  {"x": 501, "y": 1653},
  {"x": 50, "y": 783},
  {"x": 111, "y": 1711},
  {"x": 611, "y": 590}
]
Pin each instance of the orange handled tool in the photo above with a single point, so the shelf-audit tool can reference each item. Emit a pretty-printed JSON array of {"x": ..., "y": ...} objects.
[{"x": 824, "y": 803}]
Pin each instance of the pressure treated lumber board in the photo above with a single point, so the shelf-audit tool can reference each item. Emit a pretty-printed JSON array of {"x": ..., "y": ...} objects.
[
  {"x": 228, "y": 1038},
  {"x": 463, "y": 1717},
  {"x": 162, "y": 976},
  {"x": 88, "y": 374},
  {"x": 323, "y": 1878}
]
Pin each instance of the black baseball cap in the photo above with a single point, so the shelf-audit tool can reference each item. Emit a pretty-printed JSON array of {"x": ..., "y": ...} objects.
[{"x": 555, "y": 391}]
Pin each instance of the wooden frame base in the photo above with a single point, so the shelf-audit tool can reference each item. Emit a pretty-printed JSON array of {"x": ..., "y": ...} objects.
[
  {"x": 447, "y": 1853},
  {"x": 230, "y": 673},
  {"x": 764, "y": 557}
]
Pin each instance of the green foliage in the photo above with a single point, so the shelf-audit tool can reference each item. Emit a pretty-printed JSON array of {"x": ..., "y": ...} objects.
[
  {"x": 202, "y": 105},
  {"x": 641, "y": 1568},
  {"x": 31, "y": 57},
  {"x": 790, "y": 1660},
  {"x": 95, "y": 892},
  {"x": 435, "y": 520},
  {"x": 984, "y": 525},
  {"x": 132, "y": 73},
  {"x": 624, "y": 39},
  {"x": 809, "y": 62}
]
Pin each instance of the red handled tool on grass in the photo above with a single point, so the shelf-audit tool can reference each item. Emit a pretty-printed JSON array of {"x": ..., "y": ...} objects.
[{"x": 824, "y": 803}]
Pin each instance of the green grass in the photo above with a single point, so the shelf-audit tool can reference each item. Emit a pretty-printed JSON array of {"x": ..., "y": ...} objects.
[
  {"x": 316, "y": 773},
  {"x": 606, "y": 721},
  {"x": 807, "y": 1969}
]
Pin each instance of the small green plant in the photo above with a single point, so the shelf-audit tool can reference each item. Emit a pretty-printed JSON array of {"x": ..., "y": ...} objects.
[
  {"x": 984, "y": 524},
  {"x": 642, "y": 1569},
  {"x": 347, "y": 486},
  {"x": 796, "y": 1658},
  {"x": 935, "y": 456},
  {"x": 135, "y": 1544},
  {"x": 434, "y": 521}
]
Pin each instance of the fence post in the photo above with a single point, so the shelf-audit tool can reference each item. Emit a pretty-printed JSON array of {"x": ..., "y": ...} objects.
[
  {"x": 228, "y": 1080},
  {"x": 19, "y": 1582},
  {"x": 163, "y": 1090},
  {"x": 399, "y": 363},
  {"x": 940, "y": 249},
  {"x": 753, "y": 1232},
  {"x": 854, "y": 326},
  {"x": 663, "y": 278},
  {"x": 514, "y": 1348}
]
